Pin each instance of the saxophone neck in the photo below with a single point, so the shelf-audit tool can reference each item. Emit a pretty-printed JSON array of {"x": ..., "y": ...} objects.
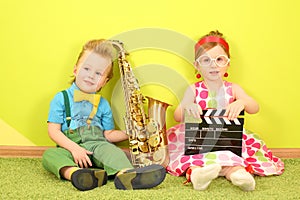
[{"x": 119, "y": 45}]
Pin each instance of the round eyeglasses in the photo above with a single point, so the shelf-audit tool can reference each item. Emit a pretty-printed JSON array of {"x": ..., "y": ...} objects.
[{"x": 220, "y": 61}]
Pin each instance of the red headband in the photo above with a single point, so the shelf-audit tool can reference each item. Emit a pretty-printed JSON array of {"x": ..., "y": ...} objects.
[{"x": 212, "y": 39}]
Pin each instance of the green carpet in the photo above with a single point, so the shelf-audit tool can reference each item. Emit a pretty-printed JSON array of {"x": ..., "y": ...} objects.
[{"x": 25, "y": 178}]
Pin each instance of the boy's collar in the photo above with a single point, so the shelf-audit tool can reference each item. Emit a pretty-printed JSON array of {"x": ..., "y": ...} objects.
[{"x": 75, "y": 87}]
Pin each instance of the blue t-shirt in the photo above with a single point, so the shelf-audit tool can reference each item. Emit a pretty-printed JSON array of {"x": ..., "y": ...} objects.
[{"x": 80, "y": 112}]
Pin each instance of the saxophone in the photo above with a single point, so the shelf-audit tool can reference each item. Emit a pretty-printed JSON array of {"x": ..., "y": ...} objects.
[{"x": 147, "y": 135}]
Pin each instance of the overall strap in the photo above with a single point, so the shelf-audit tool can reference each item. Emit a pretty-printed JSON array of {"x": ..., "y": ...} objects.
[{"x": 67, "y": 106}]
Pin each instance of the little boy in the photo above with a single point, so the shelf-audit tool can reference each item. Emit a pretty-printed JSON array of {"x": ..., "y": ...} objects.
[{"x": 80, "y": 122}]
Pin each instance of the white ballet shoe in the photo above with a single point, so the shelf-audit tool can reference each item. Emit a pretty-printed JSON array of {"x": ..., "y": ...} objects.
[
  {"x": 243, "y": 179},
  {"x": 201, "y": 177}
]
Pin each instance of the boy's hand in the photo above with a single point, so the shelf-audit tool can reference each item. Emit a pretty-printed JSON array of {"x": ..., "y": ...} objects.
[{"x": 81, "y": 157}]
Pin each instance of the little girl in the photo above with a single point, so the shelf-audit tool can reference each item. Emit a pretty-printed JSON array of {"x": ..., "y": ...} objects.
[{"x": 212, "y": 60}]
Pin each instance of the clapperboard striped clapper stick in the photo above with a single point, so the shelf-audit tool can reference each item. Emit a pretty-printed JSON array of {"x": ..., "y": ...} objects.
[{"x": 213, "y": 132}]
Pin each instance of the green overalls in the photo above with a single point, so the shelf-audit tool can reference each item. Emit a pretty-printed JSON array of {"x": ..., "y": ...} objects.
[{"x": 105, "y": 154}]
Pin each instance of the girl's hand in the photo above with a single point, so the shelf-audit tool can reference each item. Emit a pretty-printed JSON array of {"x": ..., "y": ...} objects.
[
  {"x": 234, "y": 109},
  {"x": 193, "y": 109},
  {"x": 81, "y": 157}
]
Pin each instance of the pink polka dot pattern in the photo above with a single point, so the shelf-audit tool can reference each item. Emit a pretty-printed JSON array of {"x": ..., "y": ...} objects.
[
  {"x": 203, "y": 98},
  {"x": 255, "y": 153},
  {"x": 185, "y": 166},
  {"x": 204, "y": 94},
  {"x": 198, "y": 163},
  {"x": 223, "y": 157},
  {"x": 202, "y": 85},
  {"x": 258, "y": 156},
  {"x": 184, "y": 159},
  {"x": 229, "y": 91},
  {"x": 172, "y": 137},
  {"x": 227, "y": 84},
  {"x": 202, "y": 104}
]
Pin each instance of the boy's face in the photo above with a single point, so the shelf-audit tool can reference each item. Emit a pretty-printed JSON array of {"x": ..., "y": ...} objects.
[{"x": 91, "y": 72}]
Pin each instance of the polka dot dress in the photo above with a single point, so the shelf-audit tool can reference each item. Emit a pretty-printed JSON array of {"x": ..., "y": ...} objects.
[{"x": 256, "y": 157}]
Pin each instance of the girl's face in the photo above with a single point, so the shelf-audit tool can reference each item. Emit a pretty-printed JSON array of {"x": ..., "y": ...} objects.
[
  {"x": 210, "y": 70},
  {"x": 91, "y": 72}
]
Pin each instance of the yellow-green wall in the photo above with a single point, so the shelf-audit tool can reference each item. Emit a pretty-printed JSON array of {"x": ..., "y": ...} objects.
[{"x": 40, "y": 41}]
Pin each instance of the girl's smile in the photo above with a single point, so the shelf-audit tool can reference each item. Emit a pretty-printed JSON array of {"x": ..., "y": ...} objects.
[{"x": 214, "y": 73}]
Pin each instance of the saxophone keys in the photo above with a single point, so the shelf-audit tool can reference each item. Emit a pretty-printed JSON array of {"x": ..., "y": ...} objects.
[
  {"x": 143, "y": 147},
  {"x": 142, "y": 137},
  {"x": 135, "y": 150},
  {"x": 133, "y": 108},
  {"x": 147, "y": 162},
  {"x": 134, "y": 101},
  {"x": 134, "y": 147},
  {"x": 140, "y": 123},
  {"x": 152, "y": 126},
  {"x": 159, "y": 155},
  {"x": 154, "y": 140},
  {"x": 138, "y": 117}
]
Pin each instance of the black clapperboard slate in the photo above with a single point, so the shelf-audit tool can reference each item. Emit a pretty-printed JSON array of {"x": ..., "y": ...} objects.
[{"x": 213, "y": 132}]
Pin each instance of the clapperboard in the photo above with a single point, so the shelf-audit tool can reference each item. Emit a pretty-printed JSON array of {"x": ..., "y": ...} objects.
[{"x": 213, "y": 132}]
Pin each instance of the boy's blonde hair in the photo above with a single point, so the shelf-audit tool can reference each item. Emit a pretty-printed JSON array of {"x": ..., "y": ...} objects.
[{"x": 101, "y": 47}]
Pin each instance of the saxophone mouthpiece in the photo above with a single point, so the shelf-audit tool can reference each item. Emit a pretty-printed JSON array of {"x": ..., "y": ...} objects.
[{"x": 118, "y": 44}]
